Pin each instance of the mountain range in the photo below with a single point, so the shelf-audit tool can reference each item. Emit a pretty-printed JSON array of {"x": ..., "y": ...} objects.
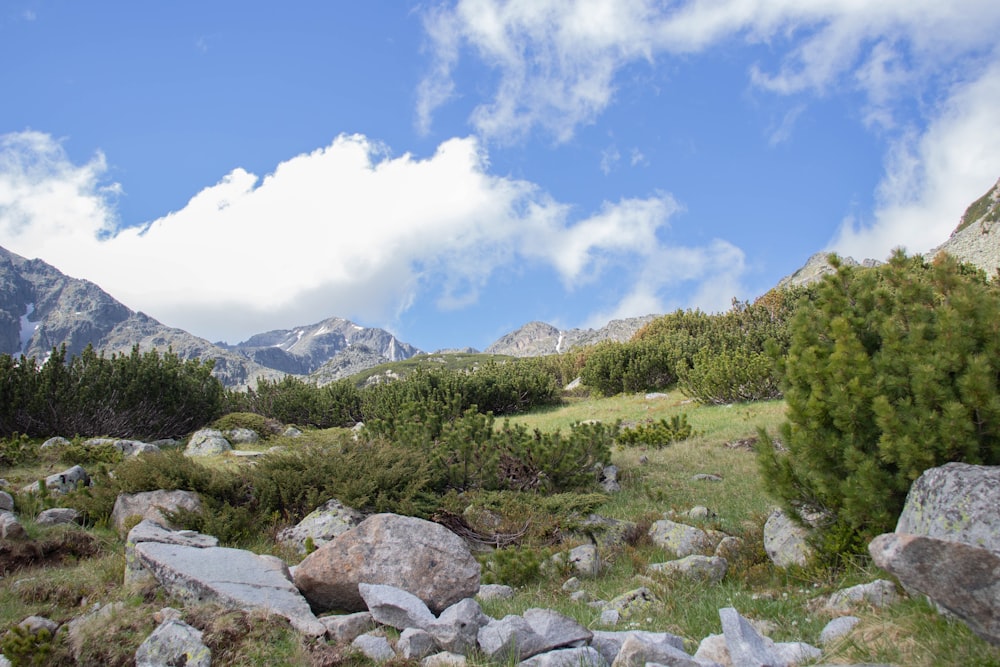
[{"x": 42, "y": 308}]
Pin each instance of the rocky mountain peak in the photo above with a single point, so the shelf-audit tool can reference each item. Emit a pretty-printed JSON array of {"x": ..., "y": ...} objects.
[{"x": 536, "y": 339}]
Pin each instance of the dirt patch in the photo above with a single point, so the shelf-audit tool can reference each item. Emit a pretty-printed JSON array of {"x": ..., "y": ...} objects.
[{"x": 65, "y": 547}]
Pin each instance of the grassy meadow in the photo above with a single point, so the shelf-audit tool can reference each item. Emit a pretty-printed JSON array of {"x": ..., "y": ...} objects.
[{"x": 84, "y": 567}]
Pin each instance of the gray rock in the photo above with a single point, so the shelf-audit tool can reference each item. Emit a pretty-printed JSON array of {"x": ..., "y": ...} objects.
[
  {"x": 555, "y": 629},
  {"x": 57, "y": 441},
  {"x": 6, "y": 502},
  {"x": 729, "y": 547},
  {"x": 444, "y": 659},
  {"x": 457, "y": 629},
  {"x": 173, "y": 642},
  {"x": 580, "y": 596},
  {"x": 705, "y": 477},
  {"x": 231, "y": 577},
  {"x": 510, "y": 637},
  {"x": 956, "y": 502},
  {"x": 680, "y": 539},
  {"x": 610, "y": 643},
  {"x": 785, "y": 541},
  {"x": 291, "y": 432},
  {"x": 636, "y": 652},
  {"x": 345, "y": 628},
  {"x": 415, "y": 644},
  {"x": 207, "y": 442},
  {"x": 374, "y": 647},
  {"x": 709, "y": 569},
  {"x": 748, "y": 648},
  {"x": 10, "y": 526},
  {"x": 57, "y": 515},
  {"x": 323, "y": 524},
  {"x": 963, "y": 579},
  {"x": 713, "y": 649},
  {"x": 395, "y": 607},
  {"x": 241, "y": 436},
  {"x": 583, "y": 656},
  {"x": 610, "y": 617},
  {"x": 495, "y": 592},
  {"x": 421, "y": 557},
  {"x": 633, "y": 603},
  {"x": 879, "y": 593},
  {"x": 63, "y": 482},
  {"x": 134, "y": 447},
  {"x": 35, "y": 624},
  {"x": 606, "y": 532},
  {"x": 838, "y": 628},
  {"x": 700, "y": 513},
  {"x": 152, "y": 506},
  {"x": 608, "y": 479},
  {"x": 570, "y": 585},
  {"x": 584, "y": 561}
]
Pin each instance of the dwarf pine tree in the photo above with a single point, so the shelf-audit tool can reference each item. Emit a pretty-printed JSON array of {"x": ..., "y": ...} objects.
[{"x": 890, "y": 371}]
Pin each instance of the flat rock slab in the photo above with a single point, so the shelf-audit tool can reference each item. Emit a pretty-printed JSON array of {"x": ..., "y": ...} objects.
[{"x": 231, "y": 577}]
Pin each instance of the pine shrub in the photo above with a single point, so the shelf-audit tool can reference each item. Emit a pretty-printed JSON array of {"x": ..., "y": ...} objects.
[{"x": 890, "y": 371}]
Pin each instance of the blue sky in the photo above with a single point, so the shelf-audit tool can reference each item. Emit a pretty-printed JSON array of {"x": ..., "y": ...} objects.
[{"x": 453, "y": 170}]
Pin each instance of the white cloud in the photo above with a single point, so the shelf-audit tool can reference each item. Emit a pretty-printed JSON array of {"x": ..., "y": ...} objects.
[
  {"x": 922, "y": 68},
  {"x": 344, "y": 230},
  {"x": 932, "y": 176}
]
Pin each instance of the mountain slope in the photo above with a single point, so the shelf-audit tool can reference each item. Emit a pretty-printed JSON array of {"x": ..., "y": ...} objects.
[
  {"x": 536, "y": 339},
  {"x": 976, "y": 240}
]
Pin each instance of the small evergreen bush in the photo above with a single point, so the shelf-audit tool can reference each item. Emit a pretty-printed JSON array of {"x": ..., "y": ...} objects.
[
  {"x": 656, "y": 434},
  {"x": 890, "y": 371}
]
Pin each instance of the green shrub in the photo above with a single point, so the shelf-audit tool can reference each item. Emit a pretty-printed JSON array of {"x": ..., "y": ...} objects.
[
  {"x": 730, "y": 376},
  {"x": 17, "y": 449},
  {"x": 890, "y": 371},
  {"x": 513, "y": 566},
  {"x": 656, "y": 434},
  {"x": 24, "y": 647},
  {"x": 259, "y": 424}
]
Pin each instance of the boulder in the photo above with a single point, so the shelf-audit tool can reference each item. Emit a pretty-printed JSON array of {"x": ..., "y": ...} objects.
[
  {"x": 584, "y": 656},
  {"x": 606, "y": 532},
  {"x": 152, "y": 506},
  {"x": 608, "y": 479},
  {"x": 584, "y": 561},
  {"x": 636, "y": 652},
  {"x": 878, "y": 593},
  {"x": 709, "y": 569},
  {"x": 395, "y": 607},
  {"x": 374, "y": 647},
  {"x": 963, "y": 579},
  {"x": 444, "y": 659},
  {"x": 207, "y": 442},
  {"x": 421, "y": 557},
  {"x": 510, "y": 637},
  {"x": 231, "y": 577},
  {"x": 457, "y": 628},
  {"x": 495, "y": 592},
  {"x": 633, "y": 603},
  {"x": 58, "y": 515},
  {"x": 680, "y": 539},
  {"x": 345, "y": 628},
  {"x": 610, "y": 643},
  {"x": 241, "y": 436},
  {"x": 173, "y": 642},
  {"x": 63, "y": 482},
  {"x": 10, "y": 526},
  {"x": 415, "y": 644},
  {"x": 956, "y": 502},
  {"x": 57, "y": 441},
  {"x": 785, "y": 541},
  {"x": 321, "y": 525},
  {"x": 838, "y": 628},
  {"x": 6, "y": 502},
  {"x": 748, "y": 647}
]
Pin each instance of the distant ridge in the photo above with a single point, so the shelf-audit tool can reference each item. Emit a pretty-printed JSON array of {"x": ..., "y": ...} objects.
[{"x": 536, "y": 339}]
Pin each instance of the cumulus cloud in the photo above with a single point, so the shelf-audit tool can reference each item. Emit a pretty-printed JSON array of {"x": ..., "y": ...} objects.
[
  {"x": 346, "y": 230},
  {"x": 915, "y": 64}
]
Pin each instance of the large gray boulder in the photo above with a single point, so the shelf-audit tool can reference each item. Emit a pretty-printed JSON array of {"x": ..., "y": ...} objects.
[
  {"x": 395, "y": 607},
  {"x": 457, "y": 628},
  {"x": 421, "y": 557},
  {"x": 956, "y": 502},
  {"x": 231, "y": 577},
  {"x": 55, "y": 516},
  {"x": 609, "y": 644},
  {"x": 62, "y": 482},
  {"x": 708, "y": 569},
  {"x": 173, "y": 642},
  {"x": 963, "y": 579},
  {"x": 324, "y": 523},
  {"x": 637, "y": 652},
  {"x": 748, "y": 647},
  {"x": 153, "y": 506}
]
